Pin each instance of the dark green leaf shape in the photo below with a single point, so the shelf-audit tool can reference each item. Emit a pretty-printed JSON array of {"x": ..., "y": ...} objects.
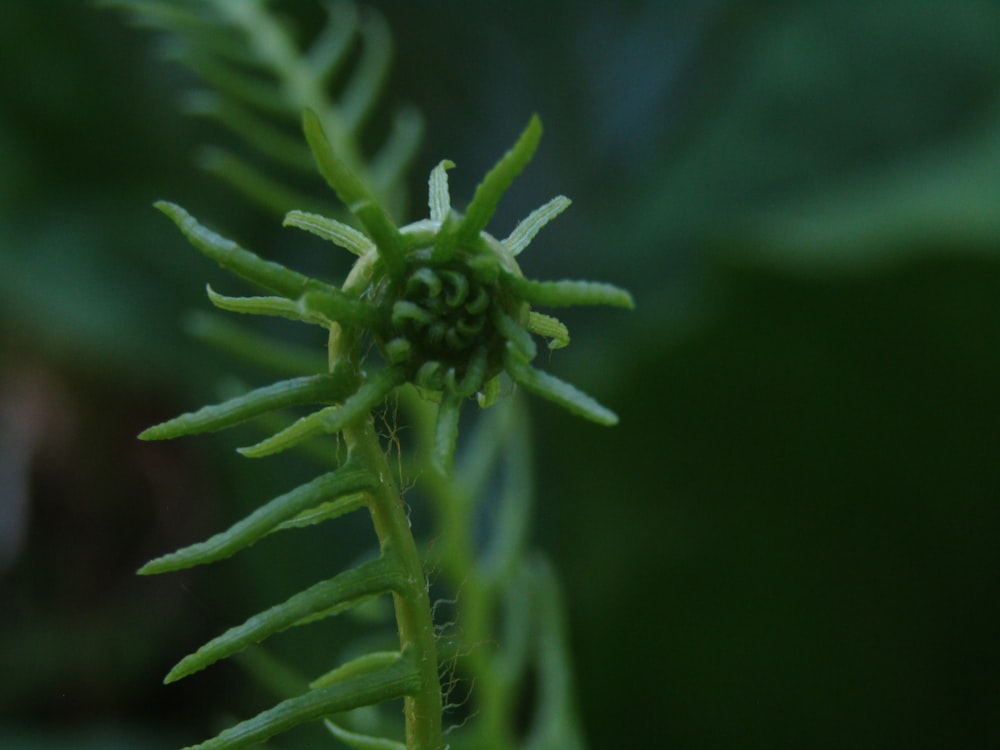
[
  {"x": 332, "y": 419},
  {"x": 548, "y": 327},
  {"x": 355, "y": 195},
  {"x": 568, "y": 293},
  {"x": 258, "y": 78},
  {"x": 346, "y": 480},
  {"x": 489, "y": 192},
  {"x": 395, "y": 681},
  {"x": 438, "y": 197},
  {"x": 310, "y": 389},
  {"x": 370, "y": 662},
  {"x": 324, "y": 512},
  {"x": 380, "y": 576},
  {"x": 245, "y": 264},
  {"x": 557, "y": 391},
  {"x": 518, "y": 339},
  {"x": 332, "y": 230},
  {"x": 446, "y": 432},
  {"x": 533, "y": 223}
]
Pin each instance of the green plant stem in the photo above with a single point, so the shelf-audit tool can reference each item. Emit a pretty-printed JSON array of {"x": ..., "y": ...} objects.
[
  {"x": 476, "y": 600},
  {"x": 412, "y": 602},
  {"x": 480, "y": 581}
]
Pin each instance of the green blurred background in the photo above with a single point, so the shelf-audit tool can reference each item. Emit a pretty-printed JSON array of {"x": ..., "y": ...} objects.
[{"x": 791, "y": 539}]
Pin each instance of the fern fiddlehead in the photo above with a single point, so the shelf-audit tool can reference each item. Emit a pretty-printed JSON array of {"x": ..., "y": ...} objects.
[
  {"x": 448, "y": 308},
  {"x": 416, "y": 300}
]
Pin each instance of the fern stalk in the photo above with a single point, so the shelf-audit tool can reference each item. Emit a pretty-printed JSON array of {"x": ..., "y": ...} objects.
[{"x": 412, "y": 604}]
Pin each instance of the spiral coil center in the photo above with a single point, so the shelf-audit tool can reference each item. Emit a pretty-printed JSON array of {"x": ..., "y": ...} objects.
[
  {"x": 443, "y": 312},
  {"x": 441, "y": 324}
]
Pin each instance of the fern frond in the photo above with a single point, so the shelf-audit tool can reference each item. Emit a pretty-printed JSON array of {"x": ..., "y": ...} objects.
[
  {"x": 533, "y": 223},
  {"x": 258, "y": 81},
  {"x": 557, "y": 391},
  {"x": 398, "y": 680},
  {"x": 446, "y": 307},
  {"x": 319, "y": 495},
  {"x": 550, "y": 328},
  {"x": 484, "y": 202},
  {"x": 361, "y": 665},
  {"x": 380, "y": 576},
  {"x": 438, "y": 197},
  {"x": 571, "y": 293},
  {"x": 332, "y": 419},
  {"x": 354, "y": 193},
  {"x": 263, "y": 273},
  {"x": 295, "y": 392},
  {"x": 450, "y": 311}
]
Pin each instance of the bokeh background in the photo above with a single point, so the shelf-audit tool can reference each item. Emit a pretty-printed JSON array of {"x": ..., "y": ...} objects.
[{"x": 790, "y": 541}]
